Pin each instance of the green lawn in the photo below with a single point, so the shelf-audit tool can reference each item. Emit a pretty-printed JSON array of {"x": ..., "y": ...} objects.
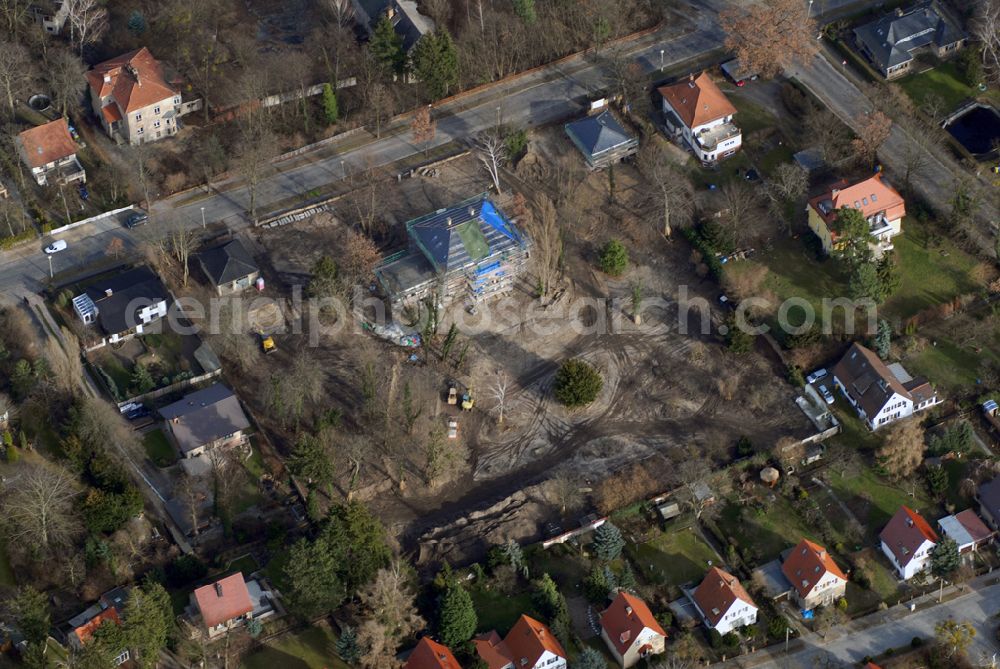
[
  {"x": 245, "y": 564},
  {"x": 158, "y": 448},
  {"x": 794, "y": 271},
  {"x": 950, "y": 368},
  {"x": 770, "y": 161},
  {"x": 274, "y": 570},
  {"x": 750, "y": 116},
  {"x": 498, "y": 611},
  {"x": 311, "y": 649},
  {"x": 944, "y": 80},
  {"x": 875, "y": 500},
  {"x": 563, "y": 562},
  {"x": 672, "y": 558},
  {"x": 932, "y": 269},
  {"x": 766, "y": 533}
]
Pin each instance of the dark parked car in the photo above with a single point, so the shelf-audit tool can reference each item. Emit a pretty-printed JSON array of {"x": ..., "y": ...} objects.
[{"x": 136, "y": 219}]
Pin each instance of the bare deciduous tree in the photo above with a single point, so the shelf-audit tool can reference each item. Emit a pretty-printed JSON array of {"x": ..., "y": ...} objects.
[
  {"x": 492, "y": 153},
  {"x": 501, "y": 386},
  {"x": 381, "y": 104},
  {"x": 423, "y": 127},
  {"x": 986, "y": 28},
  {"x": 390, "y": 615},
  {"x": 769, "y": 35},
  {"x": 39, "y": 508},
  {"x": 183, "y": 242},
  {"x": 65, "y": 74},
  {"x": 673, "y": 187},
  {"x": 547, "y": 238},
  {"x": 88, "y": 21},
  {"x": 189, "y": 492},
  {"x": 65, "y": 363},
  {"x": 341, "y": 12},
  {"x": 903, "y": 449},
  {"x": 872, "y": 130},
  {"x": 257, "y": 147},
  {"x": 13, "y": 14},
  {"x": 16, "y": 69},
  {"x": 566, "y": 492},
  {"x": 784, "y": 189},
  {"x": 115, "y": 248}
]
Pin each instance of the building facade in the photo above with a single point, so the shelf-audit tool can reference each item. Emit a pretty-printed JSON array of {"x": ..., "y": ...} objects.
[
  {"x": 49, "y": 151},
  {"x": 630, "y": 630},
  {"x": 877, "y": 201},
  {"x": 907, "y": 541},
  {"x": 697, "y": 112},
  {"x": 881, "y": 394},
  {"x": 133, "y": 100}
]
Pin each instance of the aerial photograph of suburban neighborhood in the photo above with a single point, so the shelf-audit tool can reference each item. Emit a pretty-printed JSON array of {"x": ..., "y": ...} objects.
[{"x": 499, "y": 334}]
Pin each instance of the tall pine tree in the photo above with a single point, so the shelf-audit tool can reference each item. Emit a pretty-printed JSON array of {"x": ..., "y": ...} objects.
[
  {"x": 435, "y": 62},
  {"x": 387, "y": 46},
  {"x": 456, "y": 616}
]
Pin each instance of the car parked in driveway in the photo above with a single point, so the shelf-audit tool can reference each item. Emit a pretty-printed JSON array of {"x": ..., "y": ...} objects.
[
  {"x": 816, "y": 376},
  {"x": 136, "y": 219},
  {"x": 56, "y": 246},
  {"x": 827, "y": 395}
]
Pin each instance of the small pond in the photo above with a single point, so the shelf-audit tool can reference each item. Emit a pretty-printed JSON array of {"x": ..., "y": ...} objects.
[{"x": 976, "y": 129}]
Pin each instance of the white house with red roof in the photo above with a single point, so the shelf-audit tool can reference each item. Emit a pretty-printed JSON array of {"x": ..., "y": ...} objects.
[
  {"x": 528, "y": 645},
  {"x": 695, "y": 110},
  {"x": 50, "y": 153},
  {"x": 228, "y": 603},
  {"x": 878, "y": 202},
  {"x": 881, "y": 394},
  {"x": 723, "y": 603},
  {"x": 967, "y": 530},
  {"x": 630, "y": 630},
  {"x": 429, "y": 654},
  {"x": 132, "y": 99},
  {"x": 907, "y": 541},
  {"x": 816, "y": 579}
]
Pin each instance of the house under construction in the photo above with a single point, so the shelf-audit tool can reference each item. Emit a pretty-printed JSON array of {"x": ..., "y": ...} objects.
[{"x": 468, "y": 251}]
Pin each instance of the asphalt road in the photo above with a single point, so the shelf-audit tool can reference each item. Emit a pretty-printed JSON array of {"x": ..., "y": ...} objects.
[
  {"x": 531, "y": 100},
  {"x": 978, "y": 607}
]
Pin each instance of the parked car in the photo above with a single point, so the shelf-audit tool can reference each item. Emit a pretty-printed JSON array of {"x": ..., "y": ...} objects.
[
  {"x": 136, "y": 219},
  {"x": 827, "y": 395},
  {"x": 56, "y": 246},
  {"x": 816, "y": 376},
  {"x": 84, "y": 193}
]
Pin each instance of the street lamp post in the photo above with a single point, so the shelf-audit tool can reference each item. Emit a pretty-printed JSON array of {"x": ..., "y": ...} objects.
[
  {"x": 202, "y": 218},
  {"x": 498, "y": 116},
  {"x": 661, "y": 59},
  {"x": 50, "y": 266}
]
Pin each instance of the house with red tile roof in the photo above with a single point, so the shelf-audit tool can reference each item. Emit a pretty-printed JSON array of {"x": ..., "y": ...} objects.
[
  {"x": 967, "y": 530},
  {"x": 224, "y": 604},
  {"x": 132, "y": 99},
  {"x": 907, "y": 541},
  {"x": 881, "y": 394},
  {"x": 429, "y": 654},
  {"x": 528, "y": 645},
  {"x": 630, "y": 630},
  {"x": 877, "y": 201},
  {"x": 50, "y": 153},
  {"x": 723, "y": 603},
  {"x": 816, "y": 579},
  {"x": 697, "y": 112},
  {"x": 108, "y": 610}
]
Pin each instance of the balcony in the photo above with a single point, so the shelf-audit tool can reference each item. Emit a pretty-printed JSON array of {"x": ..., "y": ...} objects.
[{"x": 710, "y": 138}]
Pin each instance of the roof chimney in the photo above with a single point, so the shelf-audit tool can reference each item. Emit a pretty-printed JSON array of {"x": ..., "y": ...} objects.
[
  {"x": 449, "y": 221},
  {"x": 218, "y": 588},
  {"x": 108, "y": 292},
  {"x": 107, "y": 77},
  {"x": 691, "y": 77},
  {"x": 628, "y": 610}
]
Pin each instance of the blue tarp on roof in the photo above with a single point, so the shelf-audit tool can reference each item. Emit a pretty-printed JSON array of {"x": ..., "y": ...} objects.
[{"x": 495, "y": 219}]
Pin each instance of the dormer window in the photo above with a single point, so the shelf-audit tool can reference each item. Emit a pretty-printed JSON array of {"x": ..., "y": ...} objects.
[{"x": 874, "y": 198}]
